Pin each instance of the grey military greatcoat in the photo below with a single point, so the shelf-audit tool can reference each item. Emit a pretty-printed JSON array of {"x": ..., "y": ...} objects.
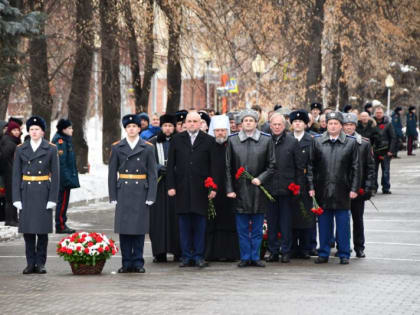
[
  {"x": 34, "y": 218},
  {"x": 132, "y": 213}
]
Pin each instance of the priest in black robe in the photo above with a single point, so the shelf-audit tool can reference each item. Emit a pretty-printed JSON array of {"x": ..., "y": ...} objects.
[
  {"x": 164, "y": 232},
  {"x": 222, "y": 239}
]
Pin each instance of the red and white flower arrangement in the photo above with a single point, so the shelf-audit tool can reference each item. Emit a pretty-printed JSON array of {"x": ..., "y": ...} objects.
[{"x": 86, "y": 248}]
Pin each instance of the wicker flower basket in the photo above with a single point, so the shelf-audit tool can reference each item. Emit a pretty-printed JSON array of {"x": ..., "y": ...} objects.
[{"x": 82, "y": 269}]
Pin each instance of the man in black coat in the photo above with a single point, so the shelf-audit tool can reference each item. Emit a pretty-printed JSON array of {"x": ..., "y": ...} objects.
[
  {"x": 8, "y": 144},
  {"x": 334, "y": 178},
  {"x": 288, "y": 170},
  {"x": 367, "y": 167},
  {"x": 164, "y": 231},
  {"x": 254, "y": 151},
  {"x": 189, "y": 164},
  {"x": 69, "y": 177},
  {"x": 304, "y": 225},
  {"x": 384, "y": 149},
  {"x": 366, "y": 127}
]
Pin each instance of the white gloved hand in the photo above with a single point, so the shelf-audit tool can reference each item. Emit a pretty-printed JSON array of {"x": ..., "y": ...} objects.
[
  {"x": 114, "y": 202},
  {"x": 149, "y": 202},
  {"x": 50, "y": 205},
  {"x": 18, "y": 205}
]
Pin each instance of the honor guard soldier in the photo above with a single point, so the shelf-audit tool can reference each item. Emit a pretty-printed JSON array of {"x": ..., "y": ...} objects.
[
  {"x": 35, "y": 191},
  {"x": 69, "y": 177},
  {"x": 132, "y": 183}
]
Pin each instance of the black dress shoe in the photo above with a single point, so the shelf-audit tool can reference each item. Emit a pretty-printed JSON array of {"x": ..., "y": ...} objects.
[
  {"x": 139, "y": 270},
  {"x": 321, "y": 260},
  {"x": 257, "y": 263},
  {"x": 305, "y": 256},
  {"x": 201, "y": 264},
  {"x": 66, "y": 230},
  {"x": 313, "y": 252},
  {"x": 360, "y": 253},
  {"x": 28, "y": 270},
  {"x": 243, "y": 264},
  {"x": 160, "y": 259},
  {"x": 41, "y": 269},
  {"x": 184, "y": 264},
  {"x": 344, "y": 261},
  {"x": 285, "y": 258},
  {"x": 123, "y": 270},
  {"x": 386, "y": 192},
  {"x": 272, "y": 258}
]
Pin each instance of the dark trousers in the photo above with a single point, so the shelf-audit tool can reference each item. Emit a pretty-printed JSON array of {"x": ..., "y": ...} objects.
[
  {"x": 302, "y": 241},
  {"x": 385, "y": 167},
  {"x": 410, "y": 140},
  {"x": 357, "y": 210},
  {"x": 36, "y": 249},
  {"x": 192, "y": 232},
  {"x": 250, "y": 239},
  {"x": 279, "y": 219},
  {"x": 314, "y": 242},
  {"x": 132, "y": 251},
  {"x": 342, "y": 219},
  {"x": 61, "y": 209}
]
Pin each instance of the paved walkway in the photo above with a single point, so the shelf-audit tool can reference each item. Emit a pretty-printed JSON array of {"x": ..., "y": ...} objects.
[{"x": 386, "y": 282}]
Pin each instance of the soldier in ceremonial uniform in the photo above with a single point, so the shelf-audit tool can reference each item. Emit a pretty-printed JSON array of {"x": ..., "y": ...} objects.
[
  {"x": 132, "y": 183},
  {"x": 367, "y": 167},
  {"x": 69, "y": 177},
  {"x": 35, "y": 192}
]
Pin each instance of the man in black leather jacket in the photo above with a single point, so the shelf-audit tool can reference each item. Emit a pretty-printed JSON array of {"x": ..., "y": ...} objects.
[
  {"x": 253, "y": 150},
  {"x": 334, "y": 178},
  {"x": 367, "y": 167}
]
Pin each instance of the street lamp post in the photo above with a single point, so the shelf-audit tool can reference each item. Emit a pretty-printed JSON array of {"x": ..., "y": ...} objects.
[
  {"x": 389, "y": 83},
  {"x": 207, "y": 60},
  {"x": 258, "y": 67}
]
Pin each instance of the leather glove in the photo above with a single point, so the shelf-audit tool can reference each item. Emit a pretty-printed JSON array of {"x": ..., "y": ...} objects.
[
  {"x": 18, "y": 205},
  {"x": 50, "y": 205},
  {"x": 149, "y": 202}
]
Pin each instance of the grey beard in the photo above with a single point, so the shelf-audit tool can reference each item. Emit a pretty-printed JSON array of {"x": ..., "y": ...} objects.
[{"x": 221, "y": 140}]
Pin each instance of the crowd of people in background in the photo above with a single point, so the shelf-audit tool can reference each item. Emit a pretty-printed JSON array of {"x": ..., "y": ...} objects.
[{"x": 293, "y": 175}]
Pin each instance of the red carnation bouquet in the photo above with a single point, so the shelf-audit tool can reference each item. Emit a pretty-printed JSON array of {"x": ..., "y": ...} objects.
[
  {"x": 316, "y": 208},
  {"x": 241, "y": 172},
  {"x": 211, "y": 185},
  {"x": 295, "y": 189},
  {"x": 361, "y": 192}
]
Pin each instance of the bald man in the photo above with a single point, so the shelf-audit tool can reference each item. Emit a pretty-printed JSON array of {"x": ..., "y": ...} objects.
[{"x": 189, "y": 164}]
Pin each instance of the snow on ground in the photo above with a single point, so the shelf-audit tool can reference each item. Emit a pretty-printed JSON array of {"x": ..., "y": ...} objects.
[{"x": 93, "y": 185}]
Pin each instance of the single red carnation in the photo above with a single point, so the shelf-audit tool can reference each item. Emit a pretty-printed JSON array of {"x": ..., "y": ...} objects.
[
  {"x": 114, "y": 252},
  {"x": 239, "y": 172},
  {"x": 90, "y": 244},
  {"x": 361, "y": 191},
  {"x": 107, "y": 248},
  {"x": 381, "y": 126},
  {"x": 69, "y": 251},
  {"x": 86, "y": 250},
  {"x": 101, "y": 250},
  {"x": 78, "y": 248}
]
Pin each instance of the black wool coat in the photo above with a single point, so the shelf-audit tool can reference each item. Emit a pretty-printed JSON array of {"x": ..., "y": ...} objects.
[{"x": 188, "y": 167}]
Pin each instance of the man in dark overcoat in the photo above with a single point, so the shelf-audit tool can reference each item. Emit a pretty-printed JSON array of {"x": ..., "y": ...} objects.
[
  {"x": 334, "y": 179},
  {"x": 304, "y": 225},
  {"x": 411, "y": 132},
  {"x": 288, "y": 170},
  {"x": 253, "y": 150},
  {"x": 132, "y": 184},
  {"x": 367, "y": 167},
  {"x": 69, "y": 177},
  {"x": 36, "y": 181},
  {"x": 189, "y": 164},
  {"x": 164, "y": 231}
]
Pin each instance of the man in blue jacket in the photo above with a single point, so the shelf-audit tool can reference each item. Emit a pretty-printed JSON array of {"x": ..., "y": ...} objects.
[{"x": 68, "y": 173}]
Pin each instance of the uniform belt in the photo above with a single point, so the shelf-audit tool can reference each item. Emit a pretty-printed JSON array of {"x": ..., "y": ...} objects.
[
  {"x": 133, "y": 176},
  {"x": 35, "y": 178}
]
